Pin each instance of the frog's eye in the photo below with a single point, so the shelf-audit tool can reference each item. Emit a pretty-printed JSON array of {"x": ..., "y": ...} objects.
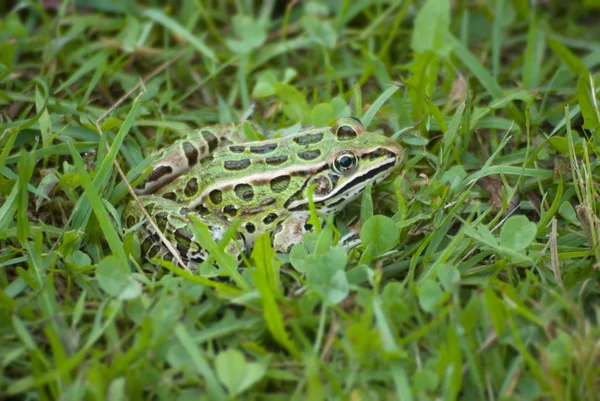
[{"x": 345, "y": 163}]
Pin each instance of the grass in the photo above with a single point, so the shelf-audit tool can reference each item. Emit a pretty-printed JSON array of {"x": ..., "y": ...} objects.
[{"x": 478, "y": 277}]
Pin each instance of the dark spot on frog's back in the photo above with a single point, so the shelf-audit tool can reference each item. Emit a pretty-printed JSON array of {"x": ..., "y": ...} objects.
[
  {"x": 202, "y": 210},
  {"x": 236, "y": 165},
  {"x": 237, "y": 148},
  {"x": 131, "y": 221},
  {"x": 158, "y": 173},
  {"x": 191, "y": 187},
  {"x": 150, "y": 208},
  {"x": 216, "y": 196},
  {"x": 250, "y": 227},
  {"x": 153, "y": 251},
  {"x": 309, "y": 139},
  {"x": 271, "y": 217},
  {"x": 244, "y": 192},
  {"x": 309, "y": 154},
  {"x": 230, "y": 210},
  {"x": 161, "y": 220},
  {"x": 280, "y": 184},
  {"x": 182, "y": 237},
  {"x": 268, "y": 148},
  {"x": 211, "y": 140},
  {"x": 276, "y": 161},
  {"x": 191, "y": 153},
  {"x": 170, "y": 196}
]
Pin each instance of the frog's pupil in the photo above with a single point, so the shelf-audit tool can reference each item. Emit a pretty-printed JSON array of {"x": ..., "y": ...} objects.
[{"x": 345, "y": 161}]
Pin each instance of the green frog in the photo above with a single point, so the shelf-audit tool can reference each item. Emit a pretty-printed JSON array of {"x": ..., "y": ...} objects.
[{"x": 215, "y": 175}]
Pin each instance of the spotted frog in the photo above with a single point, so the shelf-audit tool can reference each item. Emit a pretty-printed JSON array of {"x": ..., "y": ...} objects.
[{"x": 216, "y": 176}]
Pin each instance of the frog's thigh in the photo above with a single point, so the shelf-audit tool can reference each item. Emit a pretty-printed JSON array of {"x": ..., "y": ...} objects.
[
  {"x": 288, "y": 233},
  {"x": 176, "y": 227}
]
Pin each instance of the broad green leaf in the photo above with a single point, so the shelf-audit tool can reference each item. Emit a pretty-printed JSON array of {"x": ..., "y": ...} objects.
[
  {"x": 250, "y": 34},
  {"x": 115, "y": 280},
  {"x": 319, "y": 31},
  {"x": 430, "y": 295},
  {"x": 379, "y": 232},
  {"x": 517, "y": 233},
  {"x": 327, "y": 275},
  {"x": 295, "y": 105},
  {"x": 237, "y": 374},
  {"x": 321, "y": 114}
]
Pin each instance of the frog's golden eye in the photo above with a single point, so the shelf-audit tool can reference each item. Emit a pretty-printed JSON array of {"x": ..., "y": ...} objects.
[{"x": 345, "y": 163}]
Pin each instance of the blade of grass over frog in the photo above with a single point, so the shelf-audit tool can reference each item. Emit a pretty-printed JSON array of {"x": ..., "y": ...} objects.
[
  {"x": 174, "y": 26},
  {"x": 272, "y": 315},
  {"x": 366, "y": 119},
  {"x": 225, "y": 261},
  {"x": 221, "y": 287},
  {"x": 91, "y": 64},
  {"x": 121, "y": 190},
  {"x": 262, "y": 256},
  {"x": 82, "y": 210},
  {"x": 213, "y": 387},
  {"x": 105, "y": 169},
  {"x": 114, "y": 242}
]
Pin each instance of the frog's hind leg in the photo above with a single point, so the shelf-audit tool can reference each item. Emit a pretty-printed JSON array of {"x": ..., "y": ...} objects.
[
  {"x": 182, "y": 155},
  {"x": 173, "y": 221}
]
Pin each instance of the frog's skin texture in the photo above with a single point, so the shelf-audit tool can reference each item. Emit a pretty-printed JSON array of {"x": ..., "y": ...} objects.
[{"x": 213, "y": 175}]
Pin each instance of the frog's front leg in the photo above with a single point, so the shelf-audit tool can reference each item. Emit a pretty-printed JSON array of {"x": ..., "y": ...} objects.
[
  {"x": 291, "y": 231},
  {"x": 182, "y": 155},
  {"x": 174, "y": 222}
]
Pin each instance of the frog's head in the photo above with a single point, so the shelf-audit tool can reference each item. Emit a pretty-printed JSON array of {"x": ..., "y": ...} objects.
[{"x": 355, "y": 158}]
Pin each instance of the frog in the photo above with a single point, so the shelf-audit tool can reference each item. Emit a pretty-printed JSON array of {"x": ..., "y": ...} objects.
[{"x": 215, "y": 175}]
